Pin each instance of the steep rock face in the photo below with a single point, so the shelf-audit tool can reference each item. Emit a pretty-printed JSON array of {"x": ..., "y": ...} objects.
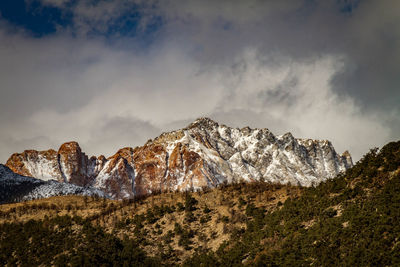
[
  {"x": 187, "y": 169},
  {"x": 115, "y": 175},
  {"x": 204, "y": 154},
  {"x": 73, "y": 164},
  {"x": 28, "y": 162},
  {"x": 150, "y": 168}
]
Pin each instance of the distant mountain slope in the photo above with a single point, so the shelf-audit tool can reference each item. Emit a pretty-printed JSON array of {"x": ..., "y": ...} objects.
[
  {"x": 204, "y": 154},
  {"x": 14, "y": 187}
]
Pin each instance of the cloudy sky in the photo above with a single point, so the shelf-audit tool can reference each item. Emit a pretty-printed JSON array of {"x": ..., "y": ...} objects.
[{"x": 110, "y": 74}]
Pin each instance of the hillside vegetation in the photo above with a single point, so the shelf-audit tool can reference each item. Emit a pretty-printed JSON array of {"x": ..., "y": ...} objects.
[{"x": 350, "y": 220}]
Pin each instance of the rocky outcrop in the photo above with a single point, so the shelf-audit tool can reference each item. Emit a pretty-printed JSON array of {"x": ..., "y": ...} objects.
[
  {"x": 34, "y": 163},
  {"x": 204, "y": 154},
  {"x": 71, "y": 165}
]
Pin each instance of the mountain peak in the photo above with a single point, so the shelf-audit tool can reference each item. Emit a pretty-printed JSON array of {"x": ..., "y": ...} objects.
[
  {"x": 71, "y": 144},
  {"x": 287, "y": 136},
  {"x": 70, "y": 147},
  {"x": 203, "y": 122},
  {"x": 346, "y": 154}
]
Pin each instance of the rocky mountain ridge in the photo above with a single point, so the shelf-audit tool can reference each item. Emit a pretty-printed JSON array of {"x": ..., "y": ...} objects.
[
  {"x": 15, "y": 187},
  {"x": 204, "y": 154}
]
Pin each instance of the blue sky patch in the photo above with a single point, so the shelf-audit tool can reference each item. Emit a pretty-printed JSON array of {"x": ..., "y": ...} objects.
[{"x": 37, "y": 19}]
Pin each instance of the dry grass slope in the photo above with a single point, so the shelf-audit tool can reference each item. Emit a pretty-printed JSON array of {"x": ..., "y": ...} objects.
[{"x": 171, "y": 224}]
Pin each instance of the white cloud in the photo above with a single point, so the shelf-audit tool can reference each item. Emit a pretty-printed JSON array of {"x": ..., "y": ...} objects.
[
  {"x": 128, "y": 98},
  {"x": 240, "y": 66}
]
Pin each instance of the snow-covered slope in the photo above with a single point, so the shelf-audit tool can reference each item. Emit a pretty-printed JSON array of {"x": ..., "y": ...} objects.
[
  {"x": 15, "y": 187},
  {"x": 204, "y": 154},
  {"x": 231, "y": 154}
]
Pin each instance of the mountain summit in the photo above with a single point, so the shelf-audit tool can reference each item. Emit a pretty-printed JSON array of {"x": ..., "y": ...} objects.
[{"x": 204, "y": 154}]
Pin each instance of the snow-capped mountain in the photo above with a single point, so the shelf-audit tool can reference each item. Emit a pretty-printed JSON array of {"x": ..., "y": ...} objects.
[
  {"x": 204, "y": 154},
  {"x": 15, "y": 187}
]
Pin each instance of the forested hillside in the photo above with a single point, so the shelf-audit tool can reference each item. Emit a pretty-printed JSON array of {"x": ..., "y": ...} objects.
[{"x": 350, "y": 220}]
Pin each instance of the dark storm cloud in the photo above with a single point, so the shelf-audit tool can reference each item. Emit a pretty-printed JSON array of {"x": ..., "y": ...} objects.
[{"x": 123, "y": 71}]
